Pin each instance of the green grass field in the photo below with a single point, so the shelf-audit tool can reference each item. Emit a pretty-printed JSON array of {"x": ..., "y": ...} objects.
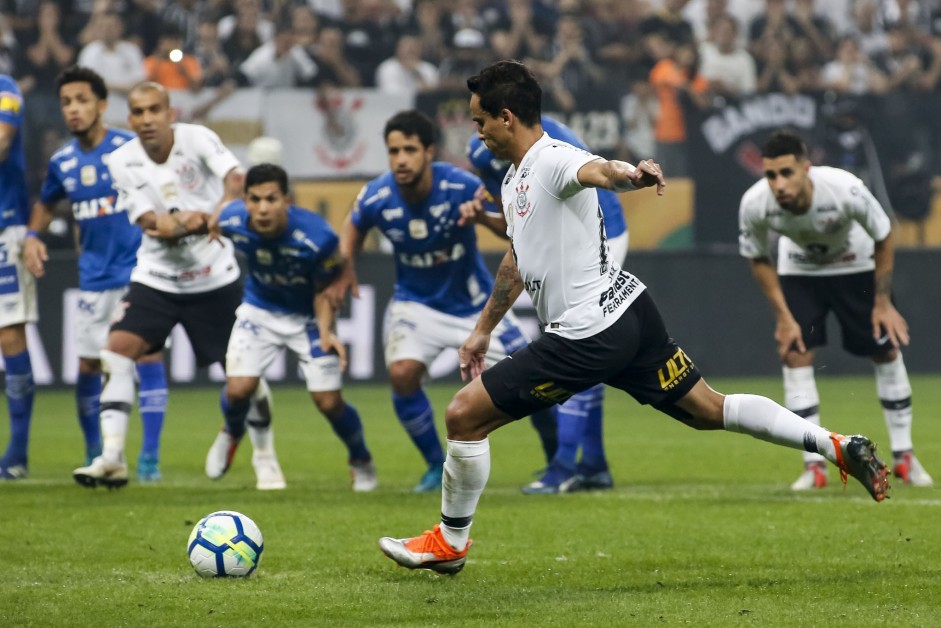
[{"x": 701, "y": 528}]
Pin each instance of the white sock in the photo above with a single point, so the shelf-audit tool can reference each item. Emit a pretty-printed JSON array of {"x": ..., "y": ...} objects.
[
  {"x": 765, "y": 420},
  {"x": 466, "y": 469},
  {"x": 895, "y": 393},
  {"x": 117, "y": 399},
  {"x": 801, "y": 398},
  {"x": 262, "y": 439}
]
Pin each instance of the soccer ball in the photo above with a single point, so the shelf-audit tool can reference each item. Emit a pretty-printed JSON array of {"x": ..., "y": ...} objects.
[{"x": 225, "y": 543}]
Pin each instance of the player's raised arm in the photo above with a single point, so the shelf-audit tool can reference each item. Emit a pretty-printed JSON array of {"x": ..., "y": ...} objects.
[
  {"x": 620, "y": 176},
  {"x": 885, "y": 318}
]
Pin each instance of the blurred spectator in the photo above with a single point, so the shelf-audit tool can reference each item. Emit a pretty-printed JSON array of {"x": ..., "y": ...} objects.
[
  {"x": 329, "y": 9},
  {"x": 470, "y": 14},
  {"x": 675, "y": 80},
  {"x": 639, "y": 110},
  {"x": 280, "y": 62},
  {"x": 852, "y": 72},
  {"x": 520, "y": 34},
  {"x": 774, "y": 24},
  {"x": 22, "y": 17},
  {"x": 620, "y": 51},
  {"x": 727, "y": 66},
  {"x": 805, "y": 65},
  {"x": 434, "y": 29},
  {"x": 183, "y": 15},
  {"x": 47, "y": 54},
  {"x": 570, "y": 67},
  {"x": 906, "y": 63},
  {"x": 212, "y": 58},
  {"x": 406, "y": 72},
  {"x": 815, "y": 27},
  {"x": 170, "y": 66},
  {"x": 370, "y": 35},
  {"x": 8, "y": 48},
  {"x": 306, "y": 27},
  {"x": 243, "y": 39},
  {"x": 247, "y": 16},
  {"x": 775, "y": 74},
  {"x": 867, "y": 29},
  {"x": 469, "y": 56},
  {"x": 118, "y": 61},
  {"x": 142, "y": 23},
  {"x": 664, "y": 29},
  {"x": 333, "y": 70}
]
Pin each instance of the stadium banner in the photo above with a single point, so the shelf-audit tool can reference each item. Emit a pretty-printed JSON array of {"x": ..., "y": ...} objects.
[{"x": 709, "y": 301}]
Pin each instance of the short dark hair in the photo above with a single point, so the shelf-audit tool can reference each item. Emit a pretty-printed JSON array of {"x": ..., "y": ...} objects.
[
  {"x": 265, "y": 173},
  {"x": 785, "y": 142},
  {"x": 508, "y": 85},
  {"x": 412, "y": 122},
  {"x": 79, "y": 74}
]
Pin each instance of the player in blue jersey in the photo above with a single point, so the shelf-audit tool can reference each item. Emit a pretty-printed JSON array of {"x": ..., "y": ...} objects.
[
  {"x": 579, "y": 418},
  {"x": 108, "y": 251},
  {"x": 441, "y": 281},
  {"x": 290, "y": 254},
  {"x": 17, "y": 286}
]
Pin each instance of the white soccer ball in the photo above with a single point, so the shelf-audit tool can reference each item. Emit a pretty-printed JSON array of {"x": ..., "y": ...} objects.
[{"x": 225, "y": 543}]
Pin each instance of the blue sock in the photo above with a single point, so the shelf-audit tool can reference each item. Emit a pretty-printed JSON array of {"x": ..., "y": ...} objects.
[
  {"x": 350, "y": 430},
  {"x": 153, "y": 405},
  {"x": 20, "y": 392},
  {"x": 547, "y": 426},
  {"x": 416, "y": 416},
  {"x": 571, "y": 417},
  {"x": 87, "y": 400},
  {"x": 234, "y": 414},
  {"x": 593, "y": 458}
]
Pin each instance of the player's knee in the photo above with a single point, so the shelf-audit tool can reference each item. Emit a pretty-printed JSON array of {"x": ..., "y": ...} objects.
[
  {"x": 464, "y": 419},
  {"x": 405, "y": 377},
  {"x": 240, "y": 389},
  {"x": 88, "y": 366},
  {"x": 115, "y": 364},
  {"x": 329, "y": 403}
]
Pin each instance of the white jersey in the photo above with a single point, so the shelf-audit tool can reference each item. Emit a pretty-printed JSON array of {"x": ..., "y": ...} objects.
[
  {"x": 836, "y": 236},
  {"x": 190, "y": 180},
  {"x": 559, "y": 243}
]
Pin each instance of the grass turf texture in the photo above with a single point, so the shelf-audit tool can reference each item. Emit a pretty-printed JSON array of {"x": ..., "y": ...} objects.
[{"x": 701, "y": 528}]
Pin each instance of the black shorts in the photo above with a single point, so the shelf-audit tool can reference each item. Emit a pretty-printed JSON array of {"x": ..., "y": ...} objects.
[
  {"x": 850, "y": 297},
  {"x": 635, "y": 354},
  {"x": 206, "y": 317}
]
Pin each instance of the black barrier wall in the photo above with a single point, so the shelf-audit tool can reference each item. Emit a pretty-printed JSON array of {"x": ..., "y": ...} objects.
[{"x": 710, "y": 303}]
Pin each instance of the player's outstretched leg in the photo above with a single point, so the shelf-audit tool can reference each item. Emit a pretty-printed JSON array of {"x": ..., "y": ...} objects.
[
  {"x": 152, "y": 400},
  {"x": 268, "y": 473},
  {"x": 801, "y": 398},
  {"x": 117, "y": 397},
  {"x": 895, "y": 395},
  {"x": 764, "y": 419}
]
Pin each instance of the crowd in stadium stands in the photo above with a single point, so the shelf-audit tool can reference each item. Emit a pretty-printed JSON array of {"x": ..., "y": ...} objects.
[{"x": 655, "y": 51}]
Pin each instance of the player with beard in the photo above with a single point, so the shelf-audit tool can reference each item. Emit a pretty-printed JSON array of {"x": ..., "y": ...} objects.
[
  {"x": 108, "y": 245},
  {"x": 835, "y": 254},
  {"x": 441, "y": 281},
  {"x": 171, "y": 180},
  {"x": 602, "y": 325}
]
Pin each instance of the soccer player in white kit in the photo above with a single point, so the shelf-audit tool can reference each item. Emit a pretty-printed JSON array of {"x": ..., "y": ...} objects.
[
  {"x": 835, "y": 254},
  {"x": 601, "y": 323},
  {"x": 170, "y": 181}
]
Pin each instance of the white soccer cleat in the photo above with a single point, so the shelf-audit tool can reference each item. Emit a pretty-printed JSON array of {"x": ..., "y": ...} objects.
[
  {"x": 102, "y": 472},
  {"x": 814, "y": 476},
  {"x": 268, "y": 472},
  {"x": 907, "y": 468},
  {"x": 220, "y": 455},
  {"x": 364, "y": 477}
]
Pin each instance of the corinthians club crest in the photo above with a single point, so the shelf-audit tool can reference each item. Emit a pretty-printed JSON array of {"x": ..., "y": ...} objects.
[
  {"x": 340, "y": 145},
  {"x": 522, "y": 203}
]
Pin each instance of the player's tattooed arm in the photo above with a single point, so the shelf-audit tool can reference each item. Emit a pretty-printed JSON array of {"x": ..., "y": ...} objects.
[
  {"x": 621, "y": 176},
  {"x": 886, "y": 320},
  {"x": 173, "y": 226},
  {"x": 507, "y": 286}
]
